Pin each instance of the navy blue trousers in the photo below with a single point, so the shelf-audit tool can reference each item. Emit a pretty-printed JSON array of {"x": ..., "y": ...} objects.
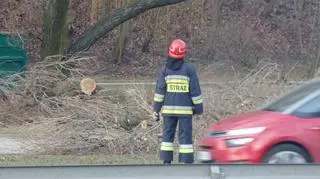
[{"x": 186, "y": 153}]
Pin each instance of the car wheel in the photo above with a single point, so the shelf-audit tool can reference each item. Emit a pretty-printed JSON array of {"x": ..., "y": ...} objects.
[{"x": 287, "y": 154}]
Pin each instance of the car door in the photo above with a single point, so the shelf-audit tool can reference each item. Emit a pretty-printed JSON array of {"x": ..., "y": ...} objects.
[{"x": 309, "y": 122}]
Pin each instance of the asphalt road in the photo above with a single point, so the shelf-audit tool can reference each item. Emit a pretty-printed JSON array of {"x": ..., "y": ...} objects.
[{"x": 160, "y": 172}]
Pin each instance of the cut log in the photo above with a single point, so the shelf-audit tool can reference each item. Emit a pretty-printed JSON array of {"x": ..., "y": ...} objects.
[{"x": 88, "y": 86}]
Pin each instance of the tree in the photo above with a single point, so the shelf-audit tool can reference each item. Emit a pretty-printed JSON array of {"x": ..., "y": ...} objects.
[
  {"x": 55, "y": 30},
  {"x": 109, "y": 22},
  {"x": 95, "y": 11},
  {"x": 122, "y": 36}
]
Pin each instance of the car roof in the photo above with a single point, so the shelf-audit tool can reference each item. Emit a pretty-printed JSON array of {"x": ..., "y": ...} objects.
[
  {"x": 294, "y": 106},
  {"x": 306, "y": 99},
  {"x": 302, "y": 102}
]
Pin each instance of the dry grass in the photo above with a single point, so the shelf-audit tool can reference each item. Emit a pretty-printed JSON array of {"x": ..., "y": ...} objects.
[
  {"x": 60, "y": 120},
  {"x": 50, "y": 108},
  {"x": 54, "y": 114},
  {"x": 65, "y": 160}
]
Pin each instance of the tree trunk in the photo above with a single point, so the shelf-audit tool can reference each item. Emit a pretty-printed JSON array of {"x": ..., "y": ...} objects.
[
  {"x": 95, "y": 11},
  {"x": 116, "y": 18},
  {"x": 55, "y": 30},
  {"x": 106, "y": 7},
  {"x": 121, "y": 42},
  {"x": 122, "y": 36},
  {"x": 152, "y": 26}
]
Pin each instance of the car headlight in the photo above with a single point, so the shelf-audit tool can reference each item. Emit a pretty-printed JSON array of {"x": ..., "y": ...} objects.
[
  {"x": 245, "y": 131},
  {"x": 238, "y": 142}
]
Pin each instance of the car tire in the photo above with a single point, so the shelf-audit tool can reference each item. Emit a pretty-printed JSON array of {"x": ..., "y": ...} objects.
[{"x": 286, "y": 149}]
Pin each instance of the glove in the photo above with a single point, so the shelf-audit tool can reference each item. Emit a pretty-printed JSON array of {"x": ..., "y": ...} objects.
[
  {"x": 197, "y": 110},
  {"x": 156, "y": 116}
]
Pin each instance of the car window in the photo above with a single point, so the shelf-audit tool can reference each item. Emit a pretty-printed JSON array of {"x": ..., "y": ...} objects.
[
  {"x": 292, "y": 97},
  {"x": 309, "y": 110}
]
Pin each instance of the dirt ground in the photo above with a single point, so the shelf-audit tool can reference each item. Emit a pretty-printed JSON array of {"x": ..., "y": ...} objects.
[{"x": 51, "y": 118}]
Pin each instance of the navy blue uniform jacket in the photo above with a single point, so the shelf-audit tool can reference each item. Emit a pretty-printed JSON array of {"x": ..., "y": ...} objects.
[{"x": 178, "y": 92}]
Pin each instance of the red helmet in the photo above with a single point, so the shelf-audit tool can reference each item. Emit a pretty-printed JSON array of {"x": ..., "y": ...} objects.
[{"x": 177, "y": 49}]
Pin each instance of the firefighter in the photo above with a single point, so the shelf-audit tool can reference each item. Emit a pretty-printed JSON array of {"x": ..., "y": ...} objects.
[{"x": 177, "y": 98}]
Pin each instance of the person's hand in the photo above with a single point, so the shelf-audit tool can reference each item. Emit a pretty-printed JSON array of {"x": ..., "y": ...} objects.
[{"x": 156, "y": 116}]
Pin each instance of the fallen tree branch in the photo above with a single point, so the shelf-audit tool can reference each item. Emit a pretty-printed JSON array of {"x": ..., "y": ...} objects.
[{"x": 116, "y": 18}]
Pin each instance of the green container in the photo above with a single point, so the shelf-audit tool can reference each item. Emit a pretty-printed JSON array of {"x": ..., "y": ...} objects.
[
  {"x": 13, "y": 58},
  {"x": 13, "y": 55}
]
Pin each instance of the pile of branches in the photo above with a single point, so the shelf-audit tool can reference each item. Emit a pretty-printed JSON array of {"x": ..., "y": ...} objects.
[
  {"x": 50, "y": 108},
  {"x": 48, "y": 105}
]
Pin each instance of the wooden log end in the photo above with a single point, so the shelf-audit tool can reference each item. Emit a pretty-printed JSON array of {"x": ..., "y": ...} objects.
[{"x": 88, "y": 86}]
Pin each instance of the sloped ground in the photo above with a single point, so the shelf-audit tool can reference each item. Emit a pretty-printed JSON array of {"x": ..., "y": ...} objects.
[
  {"x": 11, "y": 146},
  {"x": 239, "y": 49},
  {"x": 238, "y": 32},
  {"x": 53, "y": 114},
  {"x": 63, "y": 160}
]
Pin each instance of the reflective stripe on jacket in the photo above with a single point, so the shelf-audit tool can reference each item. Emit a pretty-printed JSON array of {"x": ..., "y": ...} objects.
[{"x": 178, "y": 92}]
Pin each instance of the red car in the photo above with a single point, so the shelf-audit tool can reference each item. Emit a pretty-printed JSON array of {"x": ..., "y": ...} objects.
[{"x": 285, "y": 131}]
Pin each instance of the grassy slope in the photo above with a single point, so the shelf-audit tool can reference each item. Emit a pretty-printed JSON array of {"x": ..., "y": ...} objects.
[{"x": 54, "y": 160}]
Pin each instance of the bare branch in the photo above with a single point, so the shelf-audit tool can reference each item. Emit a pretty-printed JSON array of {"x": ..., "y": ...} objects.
[{"x": 116, "y": 18}]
